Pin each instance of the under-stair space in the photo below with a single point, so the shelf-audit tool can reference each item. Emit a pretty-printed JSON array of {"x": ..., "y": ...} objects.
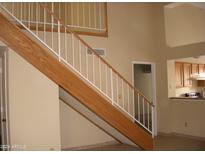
[
  {"x": 79, "y": 107},
  {"x": 89, "y": 84}
]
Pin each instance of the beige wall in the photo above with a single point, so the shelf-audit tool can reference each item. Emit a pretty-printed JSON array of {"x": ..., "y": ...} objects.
[
  {"x": 30, "y": 94},
  {"x": 184, "y": 25},
  {"x": 130, "y": 38},
  {"x": 33, "y": 107},
  {"x": 187, "y": 117},
  {"x": 77, "y": 131},
  {"x": 130, "y": 30},
  {"x": 169, "y": 111}
]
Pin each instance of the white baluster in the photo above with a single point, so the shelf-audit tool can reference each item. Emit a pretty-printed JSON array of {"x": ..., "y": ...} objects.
[
  {"x": 37, "y": 17},
  {"x": 128, "y": 98},
  {"x": 138, "y": 103},
  {"x": 106, "y": 86},
  {"x": 133, "y": 103},
  {"x": 52, "y": 22},
  {"x": 95, "y": 16},
  {"x": 78, "y": 15},
  {"x": 148, "y": 121},
  {"x": 65, "y": 4},
  {"x": 100, "y": 18},
  {"x": 93, "y": 68},
  {"x": 59, "y": 41},
  {"x": 83, "y": 14},
  {"x": 117, "y": 88},
  {"x": 86, "y": 53},
  {"x": 32, "y": 17},
  {"x": 89, "y": 15},
  {"x": 79, "y": 43},
  {"x": 29, "y": 14},
  {"x": 111, "y": 80},
  {"x": 143, "y": 112},
  {"x": 72, "y": 42},
  {"x": 21, "y": 13},
  {"x": 100, "y": 74},
  {"x": 152, "y": 121},
  {"x": 71, "y": 14},
  {"x": 65, "y": 43},
  {"x": 59, "y": 10},
  {"x": 123, "y": 103},
  {"x": 44, "y": 26}
]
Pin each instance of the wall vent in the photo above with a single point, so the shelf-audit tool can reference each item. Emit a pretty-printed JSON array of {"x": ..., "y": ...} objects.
[{"x": 100, "y": 51}]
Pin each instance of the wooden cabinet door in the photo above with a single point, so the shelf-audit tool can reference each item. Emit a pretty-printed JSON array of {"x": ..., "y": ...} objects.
[
  {"x": 201, "y": 68},
  {"x": 194, "y": 68},
  {"x": 201, "y": 83},
  {"x": 187, "y": 74},
  {"x": 179, "y": 74}
]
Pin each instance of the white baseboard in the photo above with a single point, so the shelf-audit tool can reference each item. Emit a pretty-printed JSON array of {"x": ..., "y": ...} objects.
[{"x": 90, "y": 146}]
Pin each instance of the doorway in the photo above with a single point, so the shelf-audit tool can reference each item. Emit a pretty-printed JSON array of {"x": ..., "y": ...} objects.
[
  {"x": 4, "y": 133},
  {"x": 144, "y": 79}
]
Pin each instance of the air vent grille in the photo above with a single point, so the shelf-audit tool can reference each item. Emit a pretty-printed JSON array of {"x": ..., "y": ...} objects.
[{"x": 99, "y": 51}]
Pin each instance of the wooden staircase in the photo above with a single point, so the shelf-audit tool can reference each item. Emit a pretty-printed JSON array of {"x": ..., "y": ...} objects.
[{"x": 39, "y": 56}]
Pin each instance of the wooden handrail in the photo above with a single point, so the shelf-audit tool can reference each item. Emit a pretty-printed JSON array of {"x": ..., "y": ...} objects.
[{"x": 136, "y": 91}]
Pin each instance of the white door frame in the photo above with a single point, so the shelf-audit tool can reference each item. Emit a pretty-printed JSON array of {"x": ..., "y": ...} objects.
[
  {"x": 5, "y": 136},
  {"x": 153, "y": 68}
]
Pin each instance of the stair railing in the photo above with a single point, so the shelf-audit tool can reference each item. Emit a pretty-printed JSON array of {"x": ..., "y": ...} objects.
[{"x": 76, "y": 54}]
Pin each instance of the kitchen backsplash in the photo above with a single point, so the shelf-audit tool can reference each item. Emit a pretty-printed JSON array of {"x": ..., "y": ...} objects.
[{"x": 194, "y": 88}]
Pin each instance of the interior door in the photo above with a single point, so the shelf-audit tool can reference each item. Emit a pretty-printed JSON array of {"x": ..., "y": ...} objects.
[{"x": 143, "y": 80}]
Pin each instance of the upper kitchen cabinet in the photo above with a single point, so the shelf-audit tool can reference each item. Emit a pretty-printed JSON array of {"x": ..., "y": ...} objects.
[
  {"x": 187, "y": 71},
  {"x": 194, "y": 68},
  {"x": 179, "y": 74},
  {"x": 201, "y": 68}
]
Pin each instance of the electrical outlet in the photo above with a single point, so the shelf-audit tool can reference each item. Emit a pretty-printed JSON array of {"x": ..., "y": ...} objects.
[{"x": 51, "y": 149}]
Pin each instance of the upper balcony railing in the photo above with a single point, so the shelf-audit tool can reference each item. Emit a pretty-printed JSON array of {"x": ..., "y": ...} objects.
[{"x": 82, "y": 18}]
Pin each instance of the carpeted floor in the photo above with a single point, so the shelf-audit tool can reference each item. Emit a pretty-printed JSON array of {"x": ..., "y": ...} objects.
[
  {"x": 114, "y": 147},
  {"x": 176, "y": 143},
  {"x": 161, "y": 143}
]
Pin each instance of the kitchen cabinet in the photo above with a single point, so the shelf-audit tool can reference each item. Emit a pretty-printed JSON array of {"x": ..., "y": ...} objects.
[
  {"x": 201, "y": 83},
  {"x": 194, "y": 68},
  {"x": 179, "y": 74},
  {"x": 201, "y": 68},
  {"x": 184, "y": 71},
  {"x": 187, "y": 70}
]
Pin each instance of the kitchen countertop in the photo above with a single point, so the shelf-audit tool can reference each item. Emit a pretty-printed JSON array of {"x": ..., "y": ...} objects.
[{"x": 188, "y": 98}]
